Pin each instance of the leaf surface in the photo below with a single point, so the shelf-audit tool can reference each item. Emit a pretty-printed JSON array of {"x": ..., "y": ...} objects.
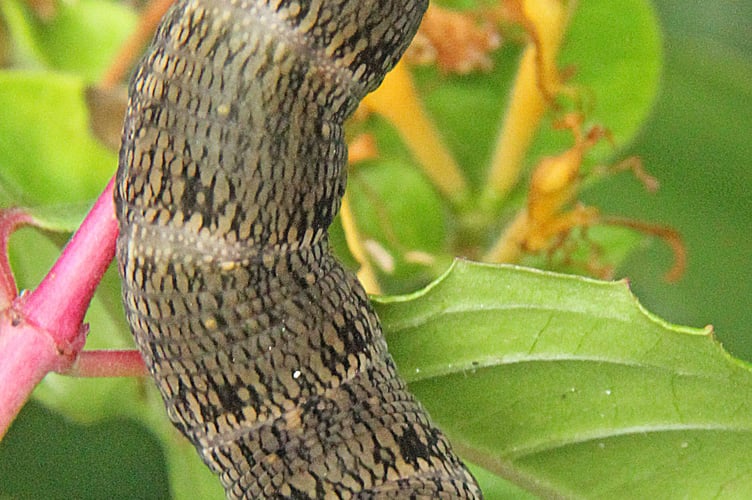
[{"x": 567, "y": 385}]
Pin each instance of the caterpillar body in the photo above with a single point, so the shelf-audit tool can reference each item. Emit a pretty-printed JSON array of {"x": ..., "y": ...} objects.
[{"x": 265, "y": 349}]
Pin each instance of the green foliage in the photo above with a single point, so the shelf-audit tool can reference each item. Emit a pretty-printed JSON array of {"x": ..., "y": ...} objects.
[
  {"x": 616, "y": 82},
  {"x": 589, "y": 395},
  {"x": 46, "y": 151},
  {"x": 562, "y": 385}
]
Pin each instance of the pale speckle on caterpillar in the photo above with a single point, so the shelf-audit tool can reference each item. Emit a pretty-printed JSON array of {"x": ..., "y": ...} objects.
[{"x": 265, "y": 349}]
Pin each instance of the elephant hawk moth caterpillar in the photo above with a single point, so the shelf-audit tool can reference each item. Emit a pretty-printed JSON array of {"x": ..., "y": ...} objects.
[{"x": 265, "y": 349}]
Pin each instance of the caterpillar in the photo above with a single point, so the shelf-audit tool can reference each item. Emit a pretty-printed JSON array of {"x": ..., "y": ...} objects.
[{"x": 264, "y": 348}]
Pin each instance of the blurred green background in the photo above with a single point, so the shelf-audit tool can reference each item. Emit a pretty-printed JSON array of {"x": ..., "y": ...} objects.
[{"x": 697, "y": 142}]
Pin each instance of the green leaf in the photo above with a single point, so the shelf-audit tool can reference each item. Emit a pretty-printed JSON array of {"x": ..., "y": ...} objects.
[
  {"x": 47, "y": 153},
  {"x": 47, "y": 456},
  {"x": 567, "y": 386},
  {"x": 83, "y": 36},
  {"x": 698, "y": 145},
  {"x": 615, "y": 51},
  {"x": 64, "y": 218},
  {"x": 25, "y": 51}
]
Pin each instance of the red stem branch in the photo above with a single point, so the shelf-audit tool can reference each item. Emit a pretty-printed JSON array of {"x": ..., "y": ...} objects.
[
  {"x": 10, "y": 220},
  {"x": 112, "y": 363}
]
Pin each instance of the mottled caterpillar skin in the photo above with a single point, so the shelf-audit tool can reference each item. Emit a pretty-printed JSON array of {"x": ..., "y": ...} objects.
[{"x": 265, "y": 349}]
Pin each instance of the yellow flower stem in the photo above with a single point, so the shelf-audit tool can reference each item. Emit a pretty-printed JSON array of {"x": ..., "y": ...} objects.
[
  {"x": 537, "y": 81},
  {"x": 508, "y": 248},
  {"x": 397, "y": 101},
  {"x": 366, "y": 273}
]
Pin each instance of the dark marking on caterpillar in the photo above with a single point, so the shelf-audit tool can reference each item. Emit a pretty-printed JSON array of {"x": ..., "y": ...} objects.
[{"x": 265, "y": 349}]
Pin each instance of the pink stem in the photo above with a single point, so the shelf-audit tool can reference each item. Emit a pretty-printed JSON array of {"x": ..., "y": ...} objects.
[
  {"x": 27, "y": 356},
  {"x": 10, "y": 220},
  {"x": 60, "y": 302},
  {"x": 125, "y": 363},
  {"x": 43, "y": 331}
]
